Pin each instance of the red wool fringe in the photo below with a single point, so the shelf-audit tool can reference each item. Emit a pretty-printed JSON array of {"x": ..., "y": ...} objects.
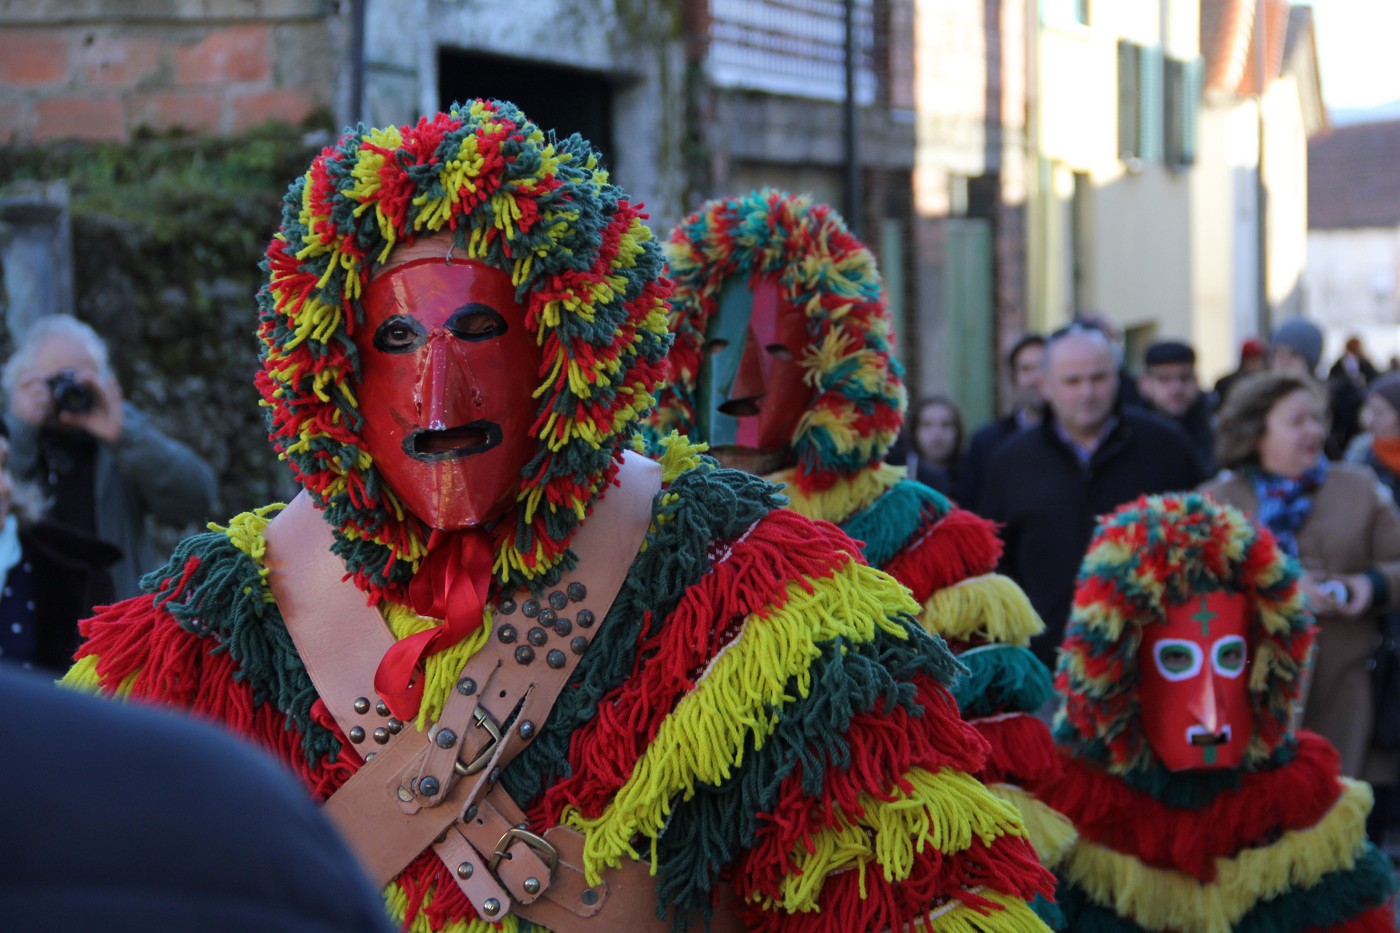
[
  {"x": 782, "y": 547},
  {"x": 959, "y": 546},
  {"x": 882, "y": 744},
  {"x": 1008, "y": 866},
  {"x": 1267, "y": 803},
  {"x": 1023, "y": 751}
]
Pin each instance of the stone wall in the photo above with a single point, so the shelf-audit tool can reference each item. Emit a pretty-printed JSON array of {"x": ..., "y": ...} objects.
[{"x": 88, "y": 70}]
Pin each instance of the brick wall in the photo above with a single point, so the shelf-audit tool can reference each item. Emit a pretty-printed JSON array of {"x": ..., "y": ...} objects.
[{"x": 101, "y": 75}]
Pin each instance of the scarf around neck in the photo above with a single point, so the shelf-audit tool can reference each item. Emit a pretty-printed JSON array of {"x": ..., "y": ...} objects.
[{"x": 1285, "y": 501}]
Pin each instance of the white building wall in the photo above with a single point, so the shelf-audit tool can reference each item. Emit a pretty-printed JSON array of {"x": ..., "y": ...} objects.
[{"x": 1350, "y": 287}]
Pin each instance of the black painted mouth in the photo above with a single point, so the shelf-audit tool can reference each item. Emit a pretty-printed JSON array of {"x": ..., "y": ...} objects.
[
  {"x": 740, "y": 407},
  {"x": 464, "y": 440},
  {"x": 1205, "y": 738}
]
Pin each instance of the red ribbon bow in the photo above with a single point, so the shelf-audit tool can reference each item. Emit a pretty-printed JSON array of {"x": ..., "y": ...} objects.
[{"x": 451, "y": 584}]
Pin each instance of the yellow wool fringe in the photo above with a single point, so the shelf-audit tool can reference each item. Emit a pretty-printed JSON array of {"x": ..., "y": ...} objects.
[
  {"x": 396, "y": 902},
  {"x": 704, "y": 738},
  {"x": 245, "y": 532},
  {"x": 946, "y": 810},
  {"x": 1015, "y": 916},
  {"x": 82, "y": 677},
  {"x": 990, "y": 607},
  {"x": 1163, "y": 899},
  {"x": 442, "y": 668},
  {"x": 1050, "y": 831},
  {"x": 845, "y": 498}
]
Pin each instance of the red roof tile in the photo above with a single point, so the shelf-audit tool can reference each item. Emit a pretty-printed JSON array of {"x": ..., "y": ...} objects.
[{"x": 1352, "y": 179}]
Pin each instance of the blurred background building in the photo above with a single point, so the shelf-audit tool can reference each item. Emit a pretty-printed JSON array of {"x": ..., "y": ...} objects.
[{"x": 1011, "y": 162}]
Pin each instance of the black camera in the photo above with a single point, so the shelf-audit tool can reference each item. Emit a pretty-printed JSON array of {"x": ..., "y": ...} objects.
[{"x": 69, "y": 394}]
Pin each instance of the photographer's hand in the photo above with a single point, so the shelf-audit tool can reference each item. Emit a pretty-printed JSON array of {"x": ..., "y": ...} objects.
[{"x": 104, "y": 421}]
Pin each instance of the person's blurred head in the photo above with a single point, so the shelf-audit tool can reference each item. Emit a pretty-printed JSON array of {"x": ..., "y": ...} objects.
[
  {"x": 1026, "y": 361},
  {"x": 1254, "y": 355},
  {"x": 1081, "y": 379},
  {"x": 1276, "y": 421},
  {"x": 1381, "y": 413},
  {"x": 1168, "y": 377},
  {"x": 938, "y": 430},
  {"x": 1297, "y": 346},
  {"x": 53, "y": 344}
]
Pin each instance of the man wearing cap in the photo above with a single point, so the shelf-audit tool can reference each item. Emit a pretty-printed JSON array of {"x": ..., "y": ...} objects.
[
  {"x": 1168, "y": 385},
  {"x": 1254, "y": 358},
  {"x": 1028, "y": 405}
]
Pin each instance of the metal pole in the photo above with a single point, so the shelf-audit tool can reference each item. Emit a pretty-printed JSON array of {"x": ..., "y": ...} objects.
[
  {"x": 852, "y": 206},
  {"x": 357, "y": 61},
  {"x": 1261, "y": 190}
]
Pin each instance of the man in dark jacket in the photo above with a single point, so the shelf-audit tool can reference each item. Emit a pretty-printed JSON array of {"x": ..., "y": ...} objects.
[
  {"x": 1168, "y": 385},
  {"x": 1027, "y": 373},
  {"x": 1047, "y": 485}
]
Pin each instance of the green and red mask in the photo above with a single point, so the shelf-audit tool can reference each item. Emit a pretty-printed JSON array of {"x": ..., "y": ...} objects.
[{"x": 1194, "y": 692}]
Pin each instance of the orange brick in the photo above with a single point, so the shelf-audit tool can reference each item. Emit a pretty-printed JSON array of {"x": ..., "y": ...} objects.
[
  {"x": 284, "y": 105},
  {"x": 79, "y": 118},
  {"x": 119, "y": 61},
  {"x": 225, "y": 56},
  {"x": 33, "y": 58},
  {"x": 189, "y": 110}
]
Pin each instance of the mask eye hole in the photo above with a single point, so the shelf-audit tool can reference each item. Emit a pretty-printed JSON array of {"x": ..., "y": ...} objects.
[
  {"x": 715, "y": 346},
  {"x": 779, "y": 351},
  {"x": 476, "y": 322},
  {"x": 399, "y": 334},
  {"x": 1230, "y": 655},
  {"x": 1177, "y": 659}
]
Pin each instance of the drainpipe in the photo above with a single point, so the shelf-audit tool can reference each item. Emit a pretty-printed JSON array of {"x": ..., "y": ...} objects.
[
  {"x": 1261, "y": 191},
  {"x": 852, "y": 206},
  {"x": 357, "y": 60}
]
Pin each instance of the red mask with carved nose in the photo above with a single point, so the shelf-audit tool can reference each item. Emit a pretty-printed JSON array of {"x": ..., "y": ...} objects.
[{"x": 447, "y": 369}]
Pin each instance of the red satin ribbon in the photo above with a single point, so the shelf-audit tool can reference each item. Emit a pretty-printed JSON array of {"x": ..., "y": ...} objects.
[{"x": 451, "y": 584}]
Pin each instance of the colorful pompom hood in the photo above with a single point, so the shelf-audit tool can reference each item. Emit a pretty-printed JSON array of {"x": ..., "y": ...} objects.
[
  {"x": 821, "y": 269},
  {"x": 1143, "y": 556},
  {"x": 583, "y": 263}
]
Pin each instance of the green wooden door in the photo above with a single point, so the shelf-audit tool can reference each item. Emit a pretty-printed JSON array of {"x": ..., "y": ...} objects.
[{"x": 967, "y": 296}]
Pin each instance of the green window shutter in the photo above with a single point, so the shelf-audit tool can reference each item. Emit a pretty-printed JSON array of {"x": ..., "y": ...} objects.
[
  {"x": 1151, "y": 119},
  {"x": 1193, "y": 87},
  {"x": 1129, "y": 77},
  {"x": 1181, "y": 110}
]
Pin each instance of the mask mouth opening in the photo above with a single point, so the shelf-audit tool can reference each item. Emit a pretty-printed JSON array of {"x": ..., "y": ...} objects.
[
  {"x": 463, "y": 440},
  {"x": 1199, "y": 736},
  {"x": 741, "y": 407}
]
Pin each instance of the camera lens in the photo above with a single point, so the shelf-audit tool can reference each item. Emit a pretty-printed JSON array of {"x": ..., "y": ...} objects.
[{"x": 70, "y": 395}]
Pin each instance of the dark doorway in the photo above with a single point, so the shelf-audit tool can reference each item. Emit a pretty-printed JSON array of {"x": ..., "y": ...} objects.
[{"x": 560, "y": 99}]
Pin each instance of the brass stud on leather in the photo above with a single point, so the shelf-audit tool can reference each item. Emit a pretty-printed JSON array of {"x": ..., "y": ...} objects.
[
  {"x": 585, "y": 618},
  {"x": 381, "y": 735},
  {"x": 537, "y": 636},
  {"x": 382, "y": 708},
  {"x": 428, "y": 786},
  {"x": 395, "y": 726},
  {"x": 505, "y": 607},
  {"x": 464, "y": 870},
  {"x": 531, "y": 885},
  {"x": 589, "y": 897},
  {"x": 524, "y": 654},
  {"x": 357, "y": 734},
  {"x": 527, "y": 729},
  {"x": 491, "y": 907},
  {"x": 446, "y": 738},
  {"x": 506, "y": 634},
  {"x": 469, "y": 814},
  {"x": 547, "y": 616},
  {"x": 466, "y": 686},
  {"x": 405, "y": 794},
  {"x": 531, "y": 608},
  {"x": 494, "y": 776},
  {"x": 579, "y": 644},
  {"x": 555, "y": 659},
  {"x": 558, "y": 599},
  {"x": 563, "y": 626},
  {"x": 577, "y": 591},
  {"x": 362, "y": 705}
]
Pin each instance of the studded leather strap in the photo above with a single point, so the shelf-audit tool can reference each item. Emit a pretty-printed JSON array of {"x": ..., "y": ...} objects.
[{"x": 411, "y": 793}]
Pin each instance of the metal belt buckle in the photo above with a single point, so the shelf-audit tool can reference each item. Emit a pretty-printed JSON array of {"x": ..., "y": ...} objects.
[
  {"x": 536, "y": 842},
  {"x": 487, "y": 722}
]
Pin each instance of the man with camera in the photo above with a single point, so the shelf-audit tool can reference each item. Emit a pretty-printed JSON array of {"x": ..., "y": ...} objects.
[{"x": 98, "y": 458}]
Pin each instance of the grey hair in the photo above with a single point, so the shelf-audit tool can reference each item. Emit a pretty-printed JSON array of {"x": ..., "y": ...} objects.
[
  {"x": 39, "y": 333},
  {"x": 1075, "y": 328}
]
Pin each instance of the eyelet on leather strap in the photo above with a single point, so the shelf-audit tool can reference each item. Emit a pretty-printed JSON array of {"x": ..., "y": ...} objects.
[{"x": 538, "y": 843}]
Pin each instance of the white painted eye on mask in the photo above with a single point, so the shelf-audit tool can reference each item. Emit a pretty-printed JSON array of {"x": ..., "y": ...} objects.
[
  {"x": 1228, "y": 656},
  {"x": 1177, "y": 659}
]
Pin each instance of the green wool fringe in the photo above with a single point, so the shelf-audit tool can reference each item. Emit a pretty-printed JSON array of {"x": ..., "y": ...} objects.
[
  {"x": 710, "y": 505},
  {"x": 226, "y": 597},
  {"x": 1002, "y": 678},
  {"x": 887, "y": 525},
  {"x": 1049, "y": 912}
]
